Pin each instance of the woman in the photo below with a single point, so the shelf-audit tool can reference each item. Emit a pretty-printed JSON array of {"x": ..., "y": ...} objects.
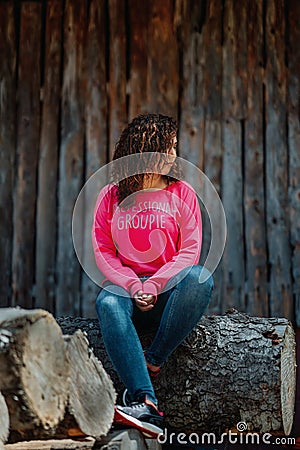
[{"x": 147, "y": 237}]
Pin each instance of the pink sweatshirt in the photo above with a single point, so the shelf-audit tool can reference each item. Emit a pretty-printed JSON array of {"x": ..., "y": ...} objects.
[{"x": 158, "y": 235}]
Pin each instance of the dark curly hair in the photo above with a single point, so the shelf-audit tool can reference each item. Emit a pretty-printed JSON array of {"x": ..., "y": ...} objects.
[{"x": 145, "y": 133}]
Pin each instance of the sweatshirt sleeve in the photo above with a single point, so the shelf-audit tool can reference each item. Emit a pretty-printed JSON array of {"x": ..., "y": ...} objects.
[
  {"x": 104, "y": 248},
  {"x": 189, "y": 245}
]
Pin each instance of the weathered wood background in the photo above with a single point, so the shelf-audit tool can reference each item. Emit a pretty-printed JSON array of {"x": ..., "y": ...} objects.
[{"x": 73, "y": 73}]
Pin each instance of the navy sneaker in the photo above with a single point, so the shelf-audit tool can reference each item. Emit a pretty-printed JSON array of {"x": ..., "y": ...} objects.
[
  {"x": 125, "y": 398},
  {"x": 141, "y": 415}
]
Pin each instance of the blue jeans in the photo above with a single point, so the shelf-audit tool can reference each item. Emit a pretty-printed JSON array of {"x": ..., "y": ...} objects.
[{"x": 176, "y": 313}]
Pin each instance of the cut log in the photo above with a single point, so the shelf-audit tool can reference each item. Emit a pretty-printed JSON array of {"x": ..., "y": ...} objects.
[
  {"x": 130, "y": 439},
  {"x": 231, "y": 368},
  {"x": 31, "y": 345},
  {"x": 4, "y": 421},
  {"x": 91, "y": 392},
  {"x": 54, "y": 444},
  {"x": 54, "y": 386}
]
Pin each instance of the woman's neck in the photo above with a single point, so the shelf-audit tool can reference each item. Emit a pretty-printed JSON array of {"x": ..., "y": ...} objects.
[{"x": 156, "y": 181}]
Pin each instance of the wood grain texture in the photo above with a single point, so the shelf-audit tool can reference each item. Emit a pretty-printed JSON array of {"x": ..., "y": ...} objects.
[
  {"x": 279, "y": 251},
  {"x": 234, "y": 106},
  {"x": 28, "y": 125},
  {"x": 96, "y": 127},
  {"x": 91, "y": 392},
  {"x": 212, "y": 130},
  {"x": 162, "y": 59},
  {"x": 33, "y": 368},
  {"x": 138, "y": 48},
  {"x": 53, "y": 385},
  {"x": 293, "y": 86},
  {"x": 4, "y": 420},
  {"x": 256, "y": 282},
  {"x": 213, "y": 161},
  {"x": 7, "y": 145},
  {"x": 71, "y": 155},
  {"x": 48, "y": 161},
  {"x": 117, "y": 72},
  {"x": 203, "y": 62},
  {"x": 212, "y": 60},
  {"x": 188, "y": 19},
  {"x": 233, "y": 203},
  {"x": 54, "y": 444},
  {"x": 234, "y": 83}
]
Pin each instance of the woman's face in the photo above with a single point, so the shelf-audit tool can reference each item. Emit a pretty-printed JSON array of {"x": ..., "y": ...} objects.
[{"x": 169, "y": 158}]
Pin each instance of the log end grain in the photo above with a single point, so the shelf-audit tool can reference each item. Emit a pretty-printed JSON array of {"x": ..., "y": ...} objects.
[
  {"x": 91, "y": 393},
  {"x": 36, "y": 395},
  {"x": 4, "y": 420},
  {"x": 288, "y": 377}
]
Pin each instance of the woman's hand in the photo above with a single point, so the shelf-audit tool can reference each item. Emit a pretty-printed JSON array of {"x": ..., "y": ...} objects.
[{"x": 144, "y": 301}]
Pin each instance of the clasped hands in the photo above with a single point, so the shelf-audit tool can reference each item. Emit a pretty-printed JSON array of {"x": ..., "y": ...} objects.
[{"x": 143, "y": 301}]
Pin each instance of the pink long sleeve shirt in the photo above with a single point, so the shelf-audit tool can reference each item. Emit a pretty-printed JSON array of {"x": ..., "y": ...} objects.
[{"x": 158, "y": 235}]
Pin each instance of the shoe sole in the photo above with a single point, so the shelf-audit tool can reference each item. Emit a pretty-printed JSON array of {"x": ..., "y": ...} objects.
[{"x": 148, "y": 429}]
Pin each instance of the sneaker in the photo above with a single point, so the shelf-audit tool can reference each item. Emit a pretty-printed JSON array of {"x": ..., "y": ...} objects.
[
  {"x": 143, "y": 416},
  {"x": 152, "y": 373},
  {"x": 125, "y": 398}
]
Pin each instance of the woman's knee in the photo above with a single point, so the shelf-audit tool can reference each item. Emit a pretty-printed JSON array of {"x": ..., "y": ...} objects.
[
  {"x": 112, "y": 303},
  {"x": 106, "y": 303},
  {"x": 200, "y": 275}
]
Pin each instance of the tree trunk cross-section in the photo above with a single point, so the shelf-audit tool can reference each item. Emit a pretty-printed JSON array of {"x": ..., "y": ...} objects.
[
  {"x": 31, "y": 344},
  {"x": 4, "y": 420},
  {"x": 91, "y": 394},
  {"x": 53, "y": 385},
  {"x": 231, "y": 368}
]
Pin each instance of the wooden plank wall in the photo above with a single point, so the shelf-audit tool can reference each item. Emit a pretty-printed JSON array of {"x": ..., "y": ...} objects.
[{"x": 74, "y": 72}]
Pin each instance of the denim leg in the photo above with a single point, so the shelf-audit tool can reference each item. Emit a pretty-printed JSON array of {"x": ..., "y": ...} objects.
[
  {"x": 185, "y": 306},
  {"x": 115, "y": 309}
]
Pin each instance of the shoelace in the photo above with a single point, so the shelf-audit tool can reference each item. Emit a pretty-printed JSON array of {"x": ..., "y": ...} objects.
[
  {"x": 141, "y": 405},
  {"x": 137, "y": 405}
]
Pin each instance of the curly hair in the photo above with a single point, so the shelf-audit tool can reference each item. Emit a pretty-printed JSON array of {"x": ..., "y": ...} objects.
[{"x": 145, "y": 133}]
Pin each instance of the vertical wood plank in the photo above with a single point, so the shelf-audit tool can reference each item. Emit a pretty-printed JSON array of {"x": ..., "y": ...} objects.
[
  {"x": 96, "y": 126},
  {"x": 234, "y": 104},
  {"x": 7, "y": 145},
  {"x": 255, "y": 231},
  {"x": 27, "y": 154},
  {"x": 276, "y": 163},
  {"x": 212, "y": 60},
  {"x": 117, "y": 72},
  {"x": 234, "y": 83},
  {"x": 162, "y": 59},
  {"x": 189, "y": 19},
  {"x": 213, "y": 162},
  {"x": 293, "y": 54},
  {"x": 232, "y": 197},
  {"x": 71, "y": 156},
  {"x": 139, "y": 74},
  {"x": 48, "y": 162},
  {"x": 212, "y": 103}
]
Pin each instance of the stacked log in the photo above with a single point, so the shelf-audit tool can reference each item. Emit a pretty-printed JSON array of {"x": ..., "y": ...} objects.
[
  {"x": 53, "y": 385},
  {"x": 91, "y": 394},
  {"x": 232, "y": 368},
  {"x": 4, "y": 421}
]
